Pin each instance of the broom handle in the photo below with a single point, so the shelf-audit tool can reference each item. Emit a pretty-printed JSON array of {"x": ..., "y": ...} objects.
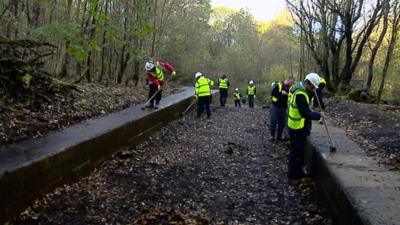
[
  {"x": 323, "y": 118},
  {"x": 190, "y": 106},
  {"x": 151, "y": 98}
]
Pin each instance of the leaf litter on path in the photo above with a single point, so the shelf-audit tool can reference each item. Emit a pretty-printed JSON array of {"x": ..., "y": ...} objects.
[{"x": 193, "y": 171}]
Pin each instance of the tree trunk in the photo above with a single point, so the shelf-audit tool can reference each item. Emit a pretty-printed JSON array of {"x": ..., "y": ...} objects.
[
  {"x": 375, "y": 49},
  {"x": 83, "y": 28},
  {"x": 122, "y": 67},
  {"x": 15, "y": 14},
  {"x": 153, "y": 43},
  {"x": 91, "y": 37},
  {"x": 65, "y": 57},
  {"x": 392, "y": 44},
  {"x": 348, "y": 30},
  {"x": 123, "y": 62},
  {"x": 136, "y": 72},
  {"x": 302, "y": 55},
  {"x": 104, "y": 48}
]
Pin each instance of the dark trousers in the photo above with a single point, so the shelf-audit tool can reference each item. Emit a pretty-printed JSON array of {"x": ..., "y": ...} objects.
[
  {"x": 296, "y": 155},
  {"x": 152, "y": 90},
  {"x": 203, "y": 103},
  {"x": 237, "y": 103},
  {"x": 223, "y": 95},
  {"x": 320, "y": 96},
  {"x": 277, "y": 121},
  {"x": 251, "y": 101}
]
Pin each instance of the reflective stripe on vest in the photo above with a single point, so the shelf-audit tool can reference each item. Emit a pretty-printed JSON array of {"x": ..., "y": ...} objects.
[
  {"x": 295, "y": 119},
  {"x": 251, "y": 90},
  {"x": 223, "y": 83},
  {"x": 159, "y": 74},
  {"x": 274, "y": 99},
  {"x": 236, "y": 95},
  {"x": 203, "y": 87}
]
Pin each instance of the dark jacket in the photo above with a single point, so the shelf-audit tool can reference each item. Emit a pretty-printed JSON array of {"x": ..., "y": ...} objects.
[
  {"x": 305, "y": 111},
  {"x": 282, "y": 99}
]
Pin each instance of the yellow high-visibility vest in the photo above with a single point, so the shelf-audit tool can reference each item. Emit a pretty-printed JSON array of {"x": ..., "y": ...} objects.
[
  {"x": 236, "y": 95},
  {"x": 223, "y": 83},
  {"x": 159, "y": 74},
  {"x": 251, "y": 90},
  {"x": 203, "y": 87},
  {"x": 295, "y": 119},
  {"x": 280, "y": 86}
]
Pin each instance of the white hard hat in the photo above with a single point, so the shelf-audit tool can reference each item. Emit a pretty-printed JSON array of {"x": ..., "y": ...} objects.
[
  {"x": 198, "y": 74},
  {"x": 236, "y": 89},
  {"x": 149, "y": 65},
  {"x": 313, "y": 78},
  {"x": 251, "y": 82}
]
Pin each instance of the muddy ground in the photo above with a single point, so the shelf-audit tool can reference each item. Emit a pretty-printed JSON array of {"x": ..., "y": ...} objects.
[
  {"x": 376, "y": 128},
  {"x": 19, "y": 122},
  {"x": 194, "y": 171}
]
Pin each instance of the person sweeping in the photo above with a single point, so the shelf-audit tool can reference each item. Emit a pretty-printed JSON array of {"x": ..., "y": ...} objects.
[
  {"x": 299, "y": 123},
  {"x": 155, "y": 80}
]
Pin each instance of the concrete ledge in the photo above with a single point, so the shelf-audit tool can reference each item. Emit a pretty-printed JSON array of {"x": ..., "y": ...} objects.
[
  {"x": 358, "y": 190},
  {"x": 33, "y": 167}
]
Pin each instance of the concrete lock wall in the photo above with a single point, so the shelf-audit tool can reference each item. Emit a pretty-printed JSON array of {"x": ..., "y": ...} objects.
[
  {"x": 357, "y": 189},
  {"x": 34, "y": 167}
]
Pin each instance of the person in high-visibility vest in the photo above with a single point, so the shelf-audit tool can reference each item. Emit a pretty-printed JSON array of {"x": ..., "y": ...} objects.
[
  {"x": 299, "y": 124},
  {"x": 203, "y": 88},
  {"x": 278, "y": 115},
  {"x": 251, "y": 93},
  {"x": 321, "y": 86},
  {"x": 237, "y": 96},
  {"x": 223, "y": 84},
  {"x": 155, "y": 79}
]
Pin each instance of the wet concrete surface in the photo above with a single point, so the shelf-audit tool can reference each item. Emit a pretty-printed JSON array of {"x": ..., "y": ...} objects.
[
  {"x": 357, "y": 186},
  {"x": 194, "y": 171}
]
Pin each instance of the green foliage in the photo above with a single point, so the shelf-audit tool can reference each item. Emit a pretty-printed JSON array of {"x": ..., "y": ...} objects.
[
  {"x": 77, "y": 51},
  {"x": 26, "y": 79},
  {"x": 66, "y": 32}
]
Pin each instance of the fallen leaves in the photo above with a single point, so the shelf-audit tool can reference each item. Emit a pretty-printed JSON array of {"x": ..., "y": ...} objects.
[
  {"x": 374, "y": 127},
  {"x": 19, "y": 122},
  {"x": 193, "y": 171}
]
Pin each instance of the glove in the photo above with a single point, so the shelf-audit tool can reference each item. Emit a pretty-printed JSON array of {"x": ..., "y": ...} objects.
[
  {"x": 173, "y": 73},
  {"x": 159, "y": 87}
]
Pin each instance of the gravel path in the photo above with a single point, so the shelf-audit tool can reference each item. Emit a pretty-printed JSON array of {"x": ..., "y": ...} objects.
[{"x": 218, "y": 171}]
